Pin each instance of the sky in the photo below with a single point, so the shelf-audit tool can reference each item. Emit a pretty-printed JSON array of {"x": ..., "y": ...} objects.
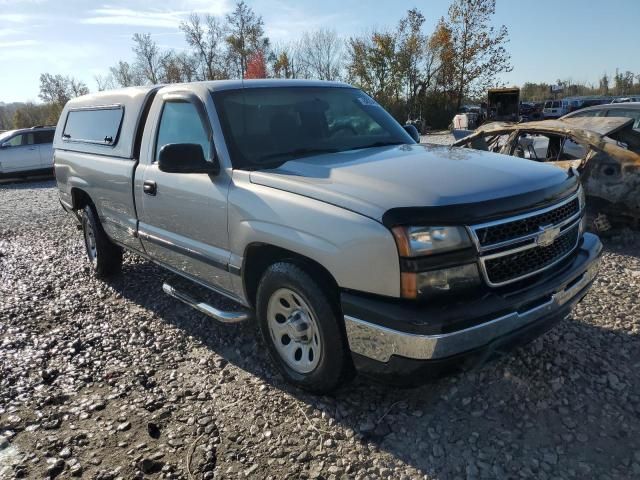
[{"x": 549, "y": 39}]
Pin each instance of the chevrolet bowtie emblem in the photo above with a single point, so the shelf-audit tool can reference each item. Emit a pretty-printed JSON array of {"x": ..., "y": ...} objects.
[{"x": 547, "y": 235}]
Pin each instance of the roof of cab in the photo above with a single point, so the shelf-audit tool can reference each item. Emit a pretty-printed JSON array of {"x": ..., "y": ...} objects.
[{"x": 218, "y": 85}]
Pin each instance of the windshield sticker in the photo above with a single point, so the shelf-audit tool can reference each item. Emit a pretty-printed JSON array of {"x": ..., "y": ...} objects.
[{"x": 368, "y": 101}]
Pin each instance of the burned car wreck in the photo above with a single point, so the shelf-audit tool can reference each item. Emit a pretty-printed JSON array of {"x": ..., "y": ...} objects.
[{"x": 604, "y": 150}]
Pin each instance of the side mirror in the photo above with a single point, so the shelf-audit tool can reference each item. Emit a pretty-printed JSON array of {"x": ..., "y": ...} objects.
[
  {"x": 413, "y": 132},
  {"x": 5, "y": 145},
  {"x": 185, "y": 158}
]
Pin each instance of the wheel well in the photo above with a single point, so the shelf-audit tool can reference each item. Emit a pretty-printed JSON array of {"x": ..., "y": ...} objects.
[
  {"x": 79, "y": 199},
  {"x": 258, "y": 257}
]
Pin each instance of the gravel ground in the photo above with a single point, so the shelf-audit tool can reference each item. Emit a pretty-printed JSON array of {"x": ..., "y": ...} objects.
[
  {"x": 115, "y": 380},
  {"x": 441, "y": 137}
]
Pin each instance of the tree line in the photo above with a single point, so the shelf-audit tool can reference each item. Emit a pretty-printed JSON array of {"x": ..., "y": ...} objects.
[
  {"x": 412, "y": 72},
  {"x": 619, "y": 84}
]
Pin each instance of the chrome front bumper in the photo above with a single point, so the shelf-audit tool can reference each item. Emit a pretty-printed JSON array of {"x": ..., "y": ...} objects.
[{"x": 381, "y": 343}]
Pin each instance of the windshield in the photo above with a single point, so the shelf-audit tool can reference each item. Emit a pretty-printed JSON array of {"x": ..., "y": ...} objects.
[
  {"x": 5, "y": 135},
  {"x": 265, "y": 127}
]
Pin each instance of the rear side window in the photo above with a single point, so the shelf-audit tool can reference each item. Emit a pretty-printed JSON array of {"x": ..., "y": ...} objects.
[
  {"x": 621, "y": 112},
  {"x": 589, "y": 113},
  {"x": 99, "y": 125},
  {"x": 45, "y": 136}
]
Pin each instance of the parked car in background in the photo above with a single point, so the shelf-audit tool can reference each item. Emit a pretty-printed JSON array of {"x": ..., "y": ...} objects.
[
  {"x": 26, "y": 151},
  {"x": 627, "y": 110},
  {"x": 555, "y": 108},
  {"x": 591, "y": 102},
  {"x": 310, "y": 208},
  {"x": 626, "y": 99},
  {"x": 604, "y": 150}
]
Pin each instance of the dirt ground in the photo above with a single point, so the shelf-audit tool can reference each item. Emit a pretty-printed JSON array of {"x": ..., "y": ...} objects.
[{"x": 108, "y": 380}]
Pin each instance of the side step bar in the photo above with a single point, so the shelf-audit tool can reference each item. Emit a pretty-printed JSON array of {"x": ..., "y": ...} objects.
[{"x": 219, "y": 315}]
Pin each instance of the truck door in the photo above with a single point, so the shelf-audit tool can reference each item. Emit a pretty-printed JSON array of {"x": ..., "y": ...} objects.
[
  {"x": 19, "y": 154},
  {"x": 183, "y": 216}
]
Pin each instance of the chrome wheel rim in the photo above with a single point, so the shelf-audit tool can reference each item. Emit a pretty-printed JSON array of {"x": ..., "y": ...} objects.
[
  {"x": 90, "y": 242},
  {"x": 294, "y": 330}
]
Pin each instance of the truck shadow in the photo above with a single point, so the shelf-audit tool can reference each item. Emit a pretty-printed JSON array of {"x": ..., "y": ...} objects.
[{"x": 550, "y": 406}]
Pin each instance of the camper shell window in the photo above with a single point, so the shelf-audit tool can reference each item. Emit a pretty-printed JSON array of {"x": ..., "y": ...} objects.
[{"x": 96, "y": 125}]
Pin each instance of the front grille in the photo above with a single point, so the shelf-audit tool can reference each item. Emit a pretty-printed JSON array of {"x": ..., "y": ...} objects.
[
  {"x": 520, "y": 264},
  {"x": 507, "y": 231}
]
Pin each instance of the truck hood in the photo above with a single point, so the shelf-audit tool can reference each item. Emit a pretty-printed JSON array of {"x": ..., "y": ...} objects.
[{"x": 375, "y": 181}]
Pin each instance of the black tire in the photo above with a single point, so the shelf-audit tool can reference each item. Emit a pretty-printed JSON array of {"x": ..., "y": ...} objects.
[
  {"x": 335, "y": 366},
  {"x": 104, "y": 256}
]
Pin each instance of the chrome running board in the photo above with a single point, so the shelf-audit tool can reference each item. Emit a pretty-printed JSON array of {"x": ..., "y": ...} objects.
[{"x": 218, "y": 315}]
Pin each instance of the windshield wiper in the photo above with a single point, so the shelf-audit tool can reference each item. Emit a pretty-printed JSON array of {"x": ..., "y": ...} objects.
[{"x": 299, "y": 152}]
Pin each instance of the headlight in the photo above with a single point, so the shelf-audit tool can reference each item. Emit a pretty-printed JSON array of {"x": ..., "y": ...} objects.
[
  {"x": 426, "y": 284},
  {"x": 417, "y": 245},
  {"x": 417, "y": 241}
]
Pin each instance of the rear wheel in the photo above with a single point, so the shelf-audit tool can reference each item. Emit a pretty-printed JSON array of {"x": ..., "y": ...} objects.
[
  {"x": 104, "y": 256},
  {"x": 300, "y": 325}
]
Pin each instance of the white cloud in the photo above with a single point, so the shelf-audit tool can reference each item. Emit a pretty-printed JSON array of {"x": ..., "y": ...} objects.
[
  {"x": 20, "y": 2},
  {"x": 56, "y": 55},
  {"x": 5, "y": 32},
  {"x": 14, "y": 17},
  {"x": 126, "y": 16},
  {"x": 18, "y": 43},
  {"x": 165, "y": 18},
  {"x": 285, "y": 21}
]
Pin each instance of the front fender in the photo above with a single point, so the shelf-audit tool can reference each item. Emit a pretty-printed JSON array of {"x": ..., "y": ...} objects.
[{"x": 359, "y": 252}]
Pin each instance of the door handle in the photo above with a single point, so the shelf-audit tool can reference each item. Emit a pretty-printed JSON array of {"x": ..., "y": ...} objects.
[{"x": 149, "y": 187}]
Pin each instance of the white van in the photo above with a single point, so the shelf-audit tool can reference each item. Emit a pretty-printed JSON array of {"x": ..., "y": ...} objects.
[{"x": 556, "y": 108}]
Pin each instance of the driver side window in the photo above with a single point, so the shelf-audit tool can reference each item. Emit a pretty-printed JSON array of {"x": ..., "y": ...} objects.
[
  {"x": 181, "y": 123},
  {"x": 20, "y": 140}
]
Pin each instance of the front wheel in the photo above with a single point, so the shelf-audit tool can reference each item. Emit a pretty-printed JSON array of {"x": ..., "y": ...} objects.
[
  {"x": 300, "y": 325},
  {"x": 105, "y": 257}
]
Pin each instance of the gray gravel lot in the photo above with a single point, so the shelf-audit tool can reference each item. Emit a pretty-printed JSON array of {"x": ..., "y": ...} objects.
[
  {"x": 114, "y": 380},
  {"x": 438, "y": 138}
]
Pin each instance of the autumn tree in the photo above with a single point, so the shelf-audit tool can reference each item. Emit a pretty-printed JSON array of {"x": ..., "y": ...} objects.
[
  {"x": 604, "y": 84},
  {"x": 206, "y": 38},
  {"x": 256, "y": 66},
  {"x": 104, "y": 82},
  {"x": 623, "y": 82},
  {"x": 411, "y": 53},
  {"x": 125, "y": 75},
  {"x": 59, "y": 89},
  {"x": 188, "y": 66},
  {"x": 284, "y": 63},
  {"x": 320, "y": 53},
  {"x": 245, "y": 36},
  {"x": 148, "y": 57},
  {"x": 372, "y": 63},
  {"x": 479, "y": 53}
]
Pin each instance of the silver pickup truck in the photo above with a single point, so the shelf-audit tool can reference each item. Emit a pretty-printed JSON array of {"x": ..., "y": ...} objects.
[{"x": 353, "y": 247}]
